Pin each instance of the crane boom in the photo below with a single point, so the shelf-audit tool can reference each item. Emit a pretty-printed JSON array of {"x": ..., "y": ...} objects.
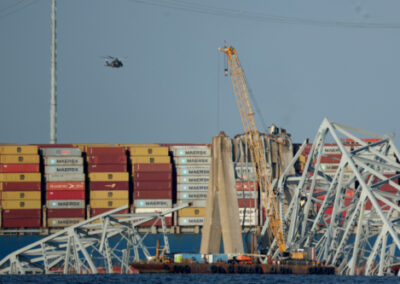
[{"x": 269, "y": 200}]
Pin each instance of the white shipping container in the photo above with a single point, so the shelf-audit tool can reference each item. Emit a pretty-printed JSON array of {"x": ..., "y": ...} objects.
[
  {"x": 63, "y": 169},
  {"x": 71, "y": 152},
  {"x": 153, "y": 203},
  {"x": 192, "y": 187},
  {"x": 195, "y": 195},
  {"x": 179, "y": 151},
  {"x": 63, "y": 222},
  {"x": 331, "y": 149},
  {"x": 195, "y": 203},
  {"x": 192, "y": 170},
  {"x": 153, "y": 210},
  {"x": 249, "y": 211},
  {"x": 65, "y": 204},
  {"x": 247, "y": 194},
  {"x": 190, "y": 221},
  {"x": 249, "y": 220},
  {"x": 63, "y": 161},
  {"x": 192, "y": 179},
  {"x": 64, "y": 177},
  {"x": 192, "y": 160}
]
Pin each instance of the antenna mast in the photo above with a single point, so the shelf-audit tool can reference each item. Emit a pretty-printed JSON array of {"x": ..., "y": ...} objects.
[{"x": 53, "y": 101}]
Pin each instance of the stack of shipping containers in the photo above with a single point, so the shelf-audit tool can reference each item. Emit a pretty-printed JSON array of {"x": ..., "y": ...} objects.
[
  {"x": 152, "y": 181},
  {"x": 20, "y": 185},
  {"x": 247, "y": 193},
  {"x": 192, "y": 169},
  {"x": 108, "y": 179},
  {"x": 65, "y": 186}
]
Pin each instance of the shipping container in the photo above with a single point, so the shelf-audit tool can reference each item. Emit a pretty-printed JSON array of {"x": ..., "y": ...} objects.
[
  {"x": 22, "y": 223},
  {"x": 63, "y": 161},
  {"x": 148, "y": 151},
  {"x": 64, "y": 177},
  {"x": 108, "y": 203},
  {"x": 152, "y": 194},
  {"x": 192, "y": 170},
  {"x": 94, "y": 168},
  {"x": 19, "y": 159},
  {"x": 63, "y": 169},
  {"x": 63, "y": 222},
  {"x": 150, "y": 159},
  {"x": 194, "y": 202},
  {"x": 151, "y": 168},
  {"x": 152, "y": 176},
  {"x": 70, "y": 152},
  {"x": 98, "y": 151},
  {"x": 191, "y": 212},
  {"x": 168, "y": 222},
  {"x": 97, "y": 211},
  {"x": 65, "y": 204},
  {"x": 107, "y": 159},
  {"x": 19, "y": 204},
  {"x": 109, "y": 195},
  {"x": 65, "y": 194},
  {"x": 192, "y": 179},
  {"x": 248, "y": 203},
  {"x": 192, "y": 187},
  {"x": 19, "y": 168},
  {"x": 251, "y": 220},
  {"x": 18, "y": 150},
  {"x": 195, "y": 151},
  {"x": 192, "y": 160},
  {"x": 331, "y": 149},
  {"x": 20, "y": 186},
  {"x": 22, "y": 213},
  {"x": 197, "y": 195},
  {"x": 247, "y": 194},
  {"x": 66, "y": 213},
  {"x": 17, "y": 195},
  {"x": 73, "y": 185},
  {"x": 246, "y": 186},
  {"x": 153, "y": 203},
  {"x": 14, "y": 177},
  {"x": 109, "y": 177},
  {"x": 190, "y": 221},
  {"x": 153, "y": 210},
  {"x": 109, "y": 185},
  {"x": 152, "y": 185}
]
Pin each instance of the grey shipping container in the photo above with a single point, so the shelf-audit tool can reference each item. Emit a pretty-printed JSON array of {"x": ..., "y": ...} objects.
[
  {"x": 65, "y": 204},
  {"x": 195, "y": 195},
  {"x": 63, "y": 169},
  {"x": 192, "y": 187},
  {"x": 192, "y": 170},
  {"x": 64, "y": 177},
  {"x": 71, "y": 152},
  {"x": 192, "y": 179},
  {"x": 190, "y": 221},
  {"x": 63, "y": 222},
  {"x": 153, "y": 203},
  {"x": 192, "y": 160},
  {"x": 179, "y": 151},
  {"x": 63, "y": 161}
]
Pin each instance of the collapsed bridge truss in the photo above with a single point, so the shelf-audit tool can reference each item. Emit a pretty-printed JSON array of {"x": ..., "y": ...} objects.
[{"x": 345, "y": 213}]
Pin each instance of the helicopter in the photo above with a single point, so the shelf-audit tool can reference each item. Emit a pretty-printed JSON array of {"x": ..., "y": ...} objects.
[{"x": 113, "y": 62}]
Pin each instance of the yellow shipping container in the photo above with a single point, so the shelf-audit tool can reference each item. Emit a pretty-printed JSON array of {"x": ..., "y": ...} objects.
[
  {"x": 94, "y": 204},
  {"x": 151, "y": 160},
  {"x": 19, "y": 159},
  {"x": 18, "y": 149},
  {"x": 109, "y": 195},
  {"x": 82, "y": 147},
  {"x": 20, "y": 177},
  {"x": 148, "y": 151},
  {"x": 191, "y": 212},
  {"x": 122, "y": 176},
  {"x": 18, "y": 195},
  {"x": 21, "y": 204}
]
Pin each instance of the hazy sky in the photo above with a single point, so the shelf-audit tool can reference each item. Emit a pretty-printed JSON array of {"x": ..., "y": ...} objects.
[{"x": 303, "y": 60}]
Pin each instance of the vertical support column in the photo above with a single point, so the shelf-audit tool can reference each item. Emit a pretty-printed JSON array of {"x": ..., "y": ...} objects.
[{"x": 53, "y": 101}]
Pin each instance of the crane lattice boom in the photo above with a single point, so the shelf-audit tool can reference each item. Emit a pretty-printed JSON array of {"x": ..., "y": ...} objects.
[{"x": 269, "y": 200}]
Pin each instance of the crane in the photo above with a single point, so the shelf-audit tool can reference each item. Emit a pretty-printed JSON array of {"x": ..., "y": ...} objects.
[{"x": 257, "y": 153}]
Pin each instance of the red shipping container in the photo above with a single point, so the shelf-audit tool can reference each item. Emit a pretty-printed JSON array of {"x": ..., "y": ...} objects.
[
  {"x": 247, "y": 203},
  {"x": 109, "y": 185},
  {"x": 98, "y": 211},
  {"x": 22, "y": 222},
  {"x": 95, "y": 151},
  {"x": 107, "y": 159},
  {"x": 93, "y": 168},
  {"x": 19, "y": 168},
  {"x": 65, "y": 194},
  {"x": 152, "y": 176},
  {"x": 246, "y": 186},
  {"x": 67, "y": 185},
  {"x": 152, "y": 168},
  {"x": 330, "y": 159},
  {"x": 152, "y": 185},
  {"x": 150, "y": 194},
  {"x": 66, "y": 213},
  {"x": 168, "y": 222},
  {"x": 22, "y": 213},
  {"x": 20, "y": 186}
]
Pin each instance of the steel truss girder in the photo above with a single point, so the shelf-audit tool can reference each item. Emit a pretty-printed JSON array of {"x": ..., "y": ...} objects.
[
  {"x": 85, "y": 248},
  {"x": 361, "y": 235}
]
